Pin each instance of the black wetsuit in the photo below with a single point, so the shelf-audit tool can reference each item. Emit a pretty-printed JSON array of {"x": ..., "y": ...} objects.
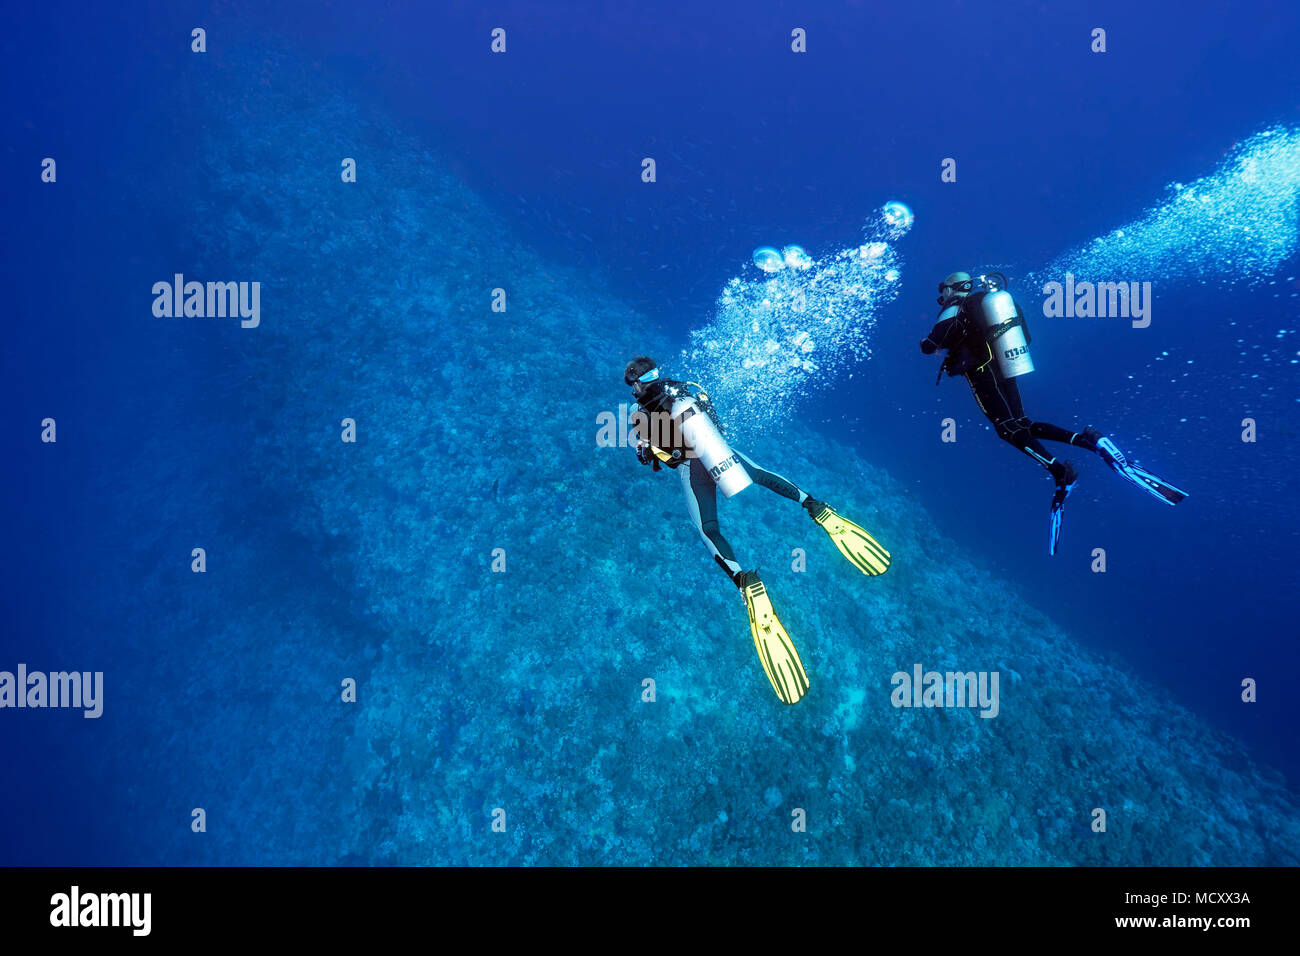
[
  {"x": 969, "y": 355},
  {"x": 702, "y": 491}
]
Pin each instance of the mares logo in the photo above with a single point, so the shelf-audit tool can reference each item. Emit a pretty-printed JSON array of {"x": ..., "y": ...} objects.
[{"x": 722, "y": 466}]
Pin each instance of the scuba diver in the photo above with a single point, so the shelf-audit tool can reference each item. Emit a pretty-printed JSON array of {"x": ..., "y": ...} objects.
[
  {"x": 679, "y": 428},
  {"x": 987, "y": 340}
]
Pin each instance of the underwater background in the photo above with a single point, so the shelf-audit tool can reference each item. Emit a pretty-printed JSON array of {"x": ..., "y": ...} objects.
[{"x": 1173, "y": 157}]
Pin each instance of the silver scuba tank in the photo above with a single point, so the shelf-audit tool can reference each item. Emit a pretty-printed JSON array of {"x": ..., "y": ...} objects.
[
  {"x": 1004, "y": 330},
  {"x": 708, "y": 445}
]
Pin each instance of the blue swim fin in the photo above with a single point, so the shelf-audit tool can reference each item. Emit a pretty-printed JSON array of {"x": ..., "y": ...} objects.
[
  {"x": 1156, "y": 487},
  {"x": 1058, "y": 508}
]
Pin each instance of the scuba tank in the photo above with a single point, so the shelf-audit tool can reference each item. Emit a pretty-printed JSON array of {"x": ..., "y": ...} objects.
[
  {"x": 992, "y": 318},
  {"x": 692, "y": 415},
  {"x": 1003, "y": 326}
]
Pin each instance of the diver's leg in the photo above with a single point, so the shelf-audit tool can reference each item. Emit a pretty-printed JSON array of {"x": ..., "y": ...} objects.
[
  {"x": 771, "y": 480},
  {"x": 1086, "y": 439},
  {"x": 999, "y": 400},
  {"x": 782, "y": 486},
  {"x": 702, "y": 502},
  {"x": 1045, "y": 431}
]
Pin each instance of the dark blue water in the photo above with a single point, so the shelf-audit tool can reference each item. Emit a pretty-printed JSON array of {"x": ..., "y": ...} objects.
[{"x": 522, "y": 171}]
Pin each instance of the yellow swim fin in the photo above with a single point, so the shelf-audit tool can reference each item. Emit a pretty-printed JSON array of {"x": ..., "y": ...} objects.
[
  {"x": 866, "y": 553},
  {"x": 776, "y": 651}
]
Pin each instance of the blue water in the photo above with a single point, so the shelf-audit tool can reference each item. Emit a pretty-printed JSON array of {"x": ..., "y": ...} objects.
[{"x": 476, "y": 430}]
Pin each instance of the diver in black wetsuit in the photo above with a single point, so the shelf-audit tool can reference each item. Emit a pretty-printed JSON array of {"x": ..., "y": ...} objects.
[
  {"x": 987, "y": 343},
  {"x": 971, "y": 355}
]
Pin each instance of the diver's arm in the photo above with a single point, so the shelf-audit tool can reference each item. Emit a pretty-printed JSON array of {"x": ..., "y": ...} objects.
[
  {"x": 646, "y": 456},
  {"x": 640, "y": 420},
  {"x": 938, "y": 337}
]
